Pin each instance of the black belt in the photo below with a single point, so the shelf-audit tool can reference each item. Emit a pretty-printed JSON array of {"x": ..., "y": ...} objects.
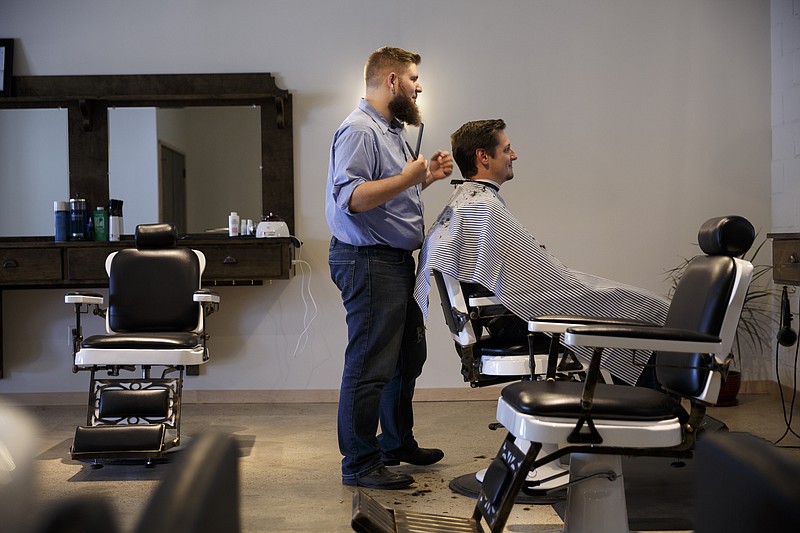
[{"x": 374, "y": 247}]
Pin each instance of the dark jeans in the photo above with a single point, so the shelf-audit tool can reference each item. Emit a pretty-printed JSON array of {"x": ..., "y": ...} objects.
[{"x": 384, "y": 355}]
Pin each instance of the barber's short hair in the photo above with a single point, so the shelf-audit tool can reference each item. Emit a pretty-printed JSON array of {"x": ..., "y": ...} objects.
[
  {"x": 467, "y": 139},
  {"x": 384, "y": 60}
]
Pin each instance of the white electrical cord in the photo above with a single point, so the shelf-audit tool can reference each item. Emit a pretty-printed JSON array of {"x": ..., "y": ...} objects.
[{"x": 304, "y": 287}]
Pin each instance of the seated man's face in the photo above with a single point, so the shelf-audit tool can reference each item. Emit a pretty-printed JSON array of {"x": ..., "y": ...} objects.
[{"x": 501, "y": 164}]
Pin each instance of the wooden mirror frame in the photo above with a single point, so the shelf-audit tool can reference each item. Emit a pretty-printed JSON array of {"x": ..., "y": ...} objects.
[{"x": 87, "y": 99}]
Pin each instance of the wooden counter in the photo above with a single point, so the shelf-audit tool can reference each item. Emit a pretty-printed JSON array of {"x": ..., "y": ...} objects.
[{"x": 41, "y": 263}]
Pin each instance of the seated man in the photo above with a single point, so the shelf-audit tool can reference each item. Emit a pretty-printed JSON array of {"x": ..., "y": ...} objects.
[{"x": 477, "y": 240}]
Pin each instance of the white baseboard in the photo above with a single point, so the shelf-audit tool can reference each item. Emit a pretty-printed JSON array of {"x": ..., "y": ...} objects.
[
  {"x": 460, "y": 394},
  {"x": 260, "y": 396}
]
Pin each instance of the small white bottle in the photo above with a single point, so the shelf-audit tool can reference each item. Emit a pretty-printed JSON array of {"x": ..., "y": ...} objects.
[{"x": 233, "y": 224}]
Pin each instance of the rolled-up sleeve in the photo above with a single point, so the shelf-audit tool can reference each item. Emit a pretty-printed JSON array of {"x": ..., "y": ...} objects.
[{"x": 354, "y": 162}]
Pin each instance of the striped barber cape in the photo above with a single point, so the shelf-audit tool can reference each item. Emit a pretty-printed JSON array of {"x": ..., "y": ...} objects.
[{"x": 476, "y": 239}]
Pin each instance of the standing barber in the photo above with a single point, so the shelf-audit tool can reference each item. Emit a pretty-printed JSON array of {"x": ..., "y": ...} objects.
[{"x": 374, "y": 211}]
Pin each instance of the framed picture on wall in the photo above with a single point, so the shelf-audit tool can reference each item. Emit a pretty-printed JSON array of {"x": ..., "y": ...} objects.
[{"x": 6, "y": 65}]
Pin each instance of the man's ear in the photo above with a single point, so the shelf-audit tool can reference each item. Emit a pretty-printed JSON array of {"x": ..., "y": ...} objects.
[
  {"x": 482, "y": 156},
  {"x": 390, "y": 79}
]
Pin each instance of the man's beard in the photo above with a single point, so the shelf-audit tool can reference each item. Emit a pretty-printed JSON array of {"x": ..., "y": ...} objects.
[{"x": 405, "y": 109}]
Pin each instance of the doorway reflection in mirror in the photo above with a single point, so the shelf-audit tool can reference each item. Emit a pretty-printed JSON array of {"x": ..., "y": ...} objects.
[{"x": 218, "y": 148}]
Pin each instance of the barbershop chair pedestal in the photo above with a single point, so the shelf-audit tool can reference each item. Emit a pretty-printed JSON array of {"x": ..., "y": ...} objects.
[
  {"x": 555, "y": 472},
  {"x": 130, "y": 418},
  {"x": 596, "y": 505}
]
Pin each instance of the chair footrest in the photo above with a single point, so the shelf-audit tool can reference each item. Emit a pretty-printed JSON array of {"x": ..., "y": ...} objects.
[
  {"x": 142, "y": 403},
  {"x": 142, "y": 440},
  {"x": 369, "y": 516}
]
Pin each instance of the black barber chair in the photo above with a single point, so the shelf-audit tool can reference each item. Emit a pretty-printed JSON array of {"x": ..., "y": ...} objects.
[
  {"x": 595, "y": 424},
  {"x": 495, "y": 348},
  {"x": 155, "y": 324},
  {"x": 199, "y": 495},
  {"x": 490, "y": 356},
  {"x": 745, "y": 484}
]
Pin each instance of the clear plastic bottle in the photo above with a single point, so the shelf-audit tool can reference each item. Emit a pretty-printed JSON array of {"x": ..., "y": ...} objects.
[
  {"x": 233, "y": 224},
  {"x": 77, "y": 218}
]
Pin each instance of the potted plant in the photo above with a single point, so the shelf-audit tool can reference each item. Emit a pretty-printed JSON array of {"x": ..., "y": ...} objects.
[{"x": 755, "y": 323}]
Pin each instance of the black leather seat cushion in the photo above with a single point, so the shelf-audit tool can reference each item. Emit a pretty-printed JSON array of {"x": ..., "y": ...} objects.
[
  {"x": 617, "y": 402},
  {"x": 493, "y": 346},
  {"x": 144, "y": 341}
]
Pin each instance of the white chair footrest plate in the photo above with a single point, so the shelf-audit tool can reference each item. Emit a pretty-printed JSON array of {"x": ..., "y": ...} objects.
[
  {"x": 506, "y": 365},
  {"x": 105, "y": 356}
]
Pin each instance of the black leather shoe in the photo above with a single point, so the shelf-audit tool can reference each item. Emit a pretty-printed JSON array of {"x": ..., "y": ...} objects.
[
  {"x": 419, "y": 457},
  {"x": 381, "y": 478}
]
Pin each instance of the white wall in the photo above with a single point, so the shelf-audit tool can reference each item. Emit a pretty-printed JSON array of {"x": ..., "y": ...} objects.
[
  {"x": 785, "y": 31},
  {"x": 634, "y": 121}
]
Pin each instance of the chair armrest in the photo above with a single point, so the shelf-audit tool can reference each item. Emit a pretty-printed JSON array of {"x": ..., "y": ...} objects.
[
  {"x": 206, "y": 295},
  {"x": 560, "y": 323},
  {"x": 208, "y": 300},
  {"x": 83, "y": 298},
  {"x": 651, "y": 338},
  {"x": 484, "y": 301}
]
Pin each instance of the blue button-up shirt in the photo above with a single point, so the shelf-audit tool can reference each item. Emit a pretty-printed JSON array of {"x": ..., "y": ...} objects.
[{"x": 367, "y": 148}]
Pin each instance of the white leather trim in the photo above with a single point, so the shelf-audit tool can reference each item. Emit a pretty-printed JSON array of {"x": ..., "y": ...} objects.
[
  {"x": 621, "y": 433},
  {"x": 107, "y": 356},
  {"x": 512, "y": 365}
]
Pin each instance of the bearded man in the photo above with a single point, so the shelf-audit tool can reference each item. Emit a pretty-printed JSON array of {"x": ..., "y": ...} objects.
[{"x": 374, "y": 210}]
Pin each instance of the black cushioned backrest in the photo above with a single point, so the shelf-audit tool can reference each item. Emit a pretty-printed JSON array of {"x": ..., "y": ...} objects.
[
  {"x": 730, "y": 235},
  {"x": 200, "y": 494},
  {"x": 151, "y": 289},
  {"x": 700, "y": 299},
  {"x": 745, "y": 484},
  {"x": 446, "y": 304},
  {"x": 150, "y": 236}
]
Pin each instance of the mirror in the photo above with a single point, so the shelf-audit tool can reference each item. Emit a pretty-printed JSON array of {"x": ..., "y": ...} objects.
[
  {"x": 190, "y": 166},
  {"x": 34, "y": 169},
  {"x": 219, "y": 147},
  {"x": 164, "y": 117}
]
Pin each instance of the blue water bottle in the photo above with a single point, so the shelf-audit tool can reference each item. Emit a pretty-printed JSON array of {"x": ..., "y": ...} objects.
[{"x": 61, "y": 214}]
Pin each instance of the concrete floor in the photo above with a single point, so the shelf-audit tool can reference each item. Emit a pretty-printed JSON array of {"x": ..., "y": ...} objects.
[{"x": 290, "y": 462}]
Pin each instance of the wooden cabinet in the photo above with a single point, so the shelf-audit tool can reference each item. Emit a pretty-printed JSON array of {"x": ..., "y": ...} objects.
[
  {"x": 785, "y": 258},
  {"x": 87, "y": 264},
  {"x": 244, "y": 261},
  {"x": 30, "y": 265},
  {"x": 40, "y": 263}
]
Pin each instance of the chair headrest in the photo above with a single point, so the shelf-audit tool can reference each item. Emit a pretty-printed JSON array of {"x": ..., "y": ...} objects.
[
  {"x": 156, "y": 236},
  {"x": 729, "y": 235}
]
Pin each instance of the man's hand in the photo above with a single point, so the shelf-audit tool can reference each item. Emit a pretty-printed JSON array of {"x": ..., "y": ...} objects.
[
  {"x": 439, "y": 167},
  {"x": 371, "y": 194},
  {"x": 415, "y": 171}
]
